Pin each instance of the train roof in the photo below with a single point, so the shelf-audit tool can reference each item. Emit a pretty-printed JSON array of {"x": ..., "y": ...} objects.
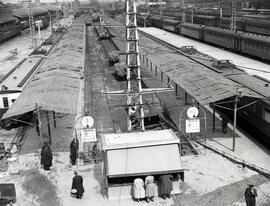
[
  {"x": 22, "y": 12},
  {"x": 192, "y": 25},
  {"x": 173, "y": 21},
  {"x": 256, "y": 37}
]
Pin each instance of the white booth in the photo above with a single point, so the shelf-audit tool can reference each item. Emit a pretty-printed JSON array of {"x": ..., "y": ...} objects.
[{"x": 139, "y": 154}]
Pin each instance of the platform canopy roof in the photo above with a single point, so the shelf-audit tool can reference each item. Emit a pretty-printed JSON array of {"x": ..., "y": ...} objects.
[
  {"x": 142, "y": 153},
  {"x": 55, "y": 85},
  {"x": 203, "y": 84},
  {"x": 7, "y": 19},
  {"x": 23, "y": 12}
]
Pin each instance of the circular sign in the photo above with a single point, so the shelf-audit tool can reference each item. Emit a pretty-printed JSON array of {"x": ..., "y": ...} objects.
[
  {"x": 87, "y": 121},
  {"x": 192, "y": 112}
]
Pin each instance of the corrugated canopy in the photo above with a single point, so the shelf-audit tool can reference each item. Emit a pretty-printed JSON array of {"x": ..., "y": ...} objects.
[
  {"x": 55, "y": 86},
  {"x": 22, "y": 13},
  {"x": 203, "y": 84}
]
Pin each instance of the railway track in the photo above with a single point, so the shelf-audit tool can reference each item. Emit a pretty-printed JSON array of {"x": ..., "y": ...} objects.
[{"x": 164, "y": 122}]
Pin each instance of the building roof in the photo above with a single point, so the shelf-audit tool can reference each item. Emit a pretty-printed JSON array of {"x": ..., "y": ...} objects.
[
  {"x": 7, "y": 19},
  {"x": 55, "y": 85},
  {"x": 23, "y": 13},
  {"x": 125, "y": 152},
  {"x": 52, "y": 7}
]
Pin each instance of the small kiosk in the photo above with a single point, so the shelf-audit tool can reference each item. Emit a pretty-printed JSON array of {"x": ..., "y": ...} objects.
[{"x": 139, "y": 154}]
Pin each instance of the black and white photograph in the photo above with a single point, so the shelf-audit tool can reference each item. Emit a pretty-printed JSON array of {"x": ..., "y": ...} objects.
[{"x": 135, "y": 102}]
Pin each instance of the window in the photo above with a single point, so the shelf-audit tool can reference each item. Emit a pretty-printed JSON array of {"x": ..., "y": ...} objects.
[
  {"x": 5, "y": 102},
  {"x": 267, "y": 115},
  {"x": 13, "y": 100}
]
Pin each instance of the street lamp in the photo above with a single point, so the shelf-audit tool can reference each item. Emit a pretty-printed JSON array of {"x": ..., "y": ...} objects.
[{"x": 237, "y": 98}]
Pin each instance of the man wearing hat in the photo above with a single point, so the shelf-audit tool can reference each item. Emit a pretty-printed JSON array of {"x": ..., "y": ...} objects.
[
  {"x": 77, "y": 185},
  {"x": 250, "y": 195}
]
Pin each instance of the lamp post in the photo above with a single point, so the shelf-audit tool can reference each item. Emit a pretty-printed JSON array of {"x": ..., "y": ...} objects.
[{"x": 237, "y": 98}]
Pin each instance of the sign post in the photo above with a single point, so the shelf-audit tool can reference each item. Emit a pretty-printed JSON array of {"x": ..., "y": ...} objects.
[{"x": 192, "y": 121}]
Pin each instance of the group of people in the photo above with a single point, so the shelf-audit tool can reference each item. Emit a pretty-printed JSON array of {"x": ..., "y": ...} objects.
[
  {"x": 47, "y": 157},
  {"x": 46, "y": 160},
  {"x": 147, "y": 189}
]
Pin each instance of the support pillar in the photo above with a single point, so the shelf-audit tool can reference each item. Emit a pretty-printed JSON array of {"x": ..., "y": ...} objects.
[{"x": 214, "y": 119}]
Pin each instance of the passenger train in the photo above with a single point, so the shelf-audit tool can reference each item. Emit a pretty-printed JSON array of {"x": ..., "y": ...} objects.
[
  {"x": 251, "y": 22},
  {"x": 247, "y": 43}
]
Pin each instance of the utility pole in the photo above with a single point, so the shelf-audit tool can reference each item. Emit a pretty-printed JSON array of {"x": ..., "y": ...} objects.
[
  {"x": 31, "y": 24},
  {"x": 237, "y": 98},
  {"x": 184, "y": 12},
  {"x": 220, "y": 9},
  {"x": 233, "y": 17}
]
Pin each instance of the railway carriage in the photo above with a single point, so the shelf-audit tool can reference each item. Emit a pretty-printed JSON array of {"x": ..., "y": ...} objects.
[
  {"x": 220, "y": 37},
  {"x": 191, "y": 30},
  {"x": 156, "y": 21},
  {"x": 255, "y": 45},
  {"x": 262, "y": 27},
  {"x": 171, "y": 25}
]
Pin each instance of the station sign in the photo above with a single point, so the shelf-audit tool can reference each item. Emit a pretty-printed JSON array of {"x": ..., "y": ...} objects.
[
  {"x": 192, "y": 126},
  {"x": 88, "y": 135}
]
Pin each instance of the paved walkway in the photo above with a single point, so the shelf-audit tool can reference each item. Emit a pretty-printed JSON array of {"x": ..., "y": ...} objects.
[{"x": 210, "y": 179}]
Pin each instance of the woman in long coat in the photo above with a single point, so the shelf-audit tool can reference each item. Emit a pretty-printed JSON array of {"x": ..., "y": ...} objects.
[
  {"x": 73, "y": 151},
  {"x": 138, "y": 189},
  {"x": 165, "y": 186},
  {"x": 46, "y": 157},
  {"x": 150, "y": 188}
]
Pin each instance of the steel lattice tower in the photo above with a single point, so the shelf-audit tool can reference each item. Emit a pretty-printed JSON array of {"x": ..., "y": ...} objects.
[{"x": 134, "y": 86}]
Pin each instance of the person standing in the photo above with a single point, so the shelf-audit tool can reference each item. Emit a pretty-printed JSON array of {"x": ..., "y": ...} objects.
[
  {"x": 150, "y": 188},
  {"x": 46, "y": 156},
  {"x": 165, "y": 185},
  {"x": 138, "y": 189},
  {"x": 74, "y": 146},
  {"x": 77, "y": 184},
  {"x": 225, "y": 121},
  {"x": 250, "y": 195}
]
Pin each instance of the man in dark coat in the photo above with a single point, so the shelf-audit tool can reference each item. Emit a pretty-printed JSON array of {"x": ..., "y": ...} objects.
[
  {"x": 46, "y": 156},
  {"x": 250, "y": 195},
  {"x": 77, "y": 183},
  {"x": 74, "y": 151},
  {"x": 165, "y": 186},
  {"x": 225, "y": 121}
]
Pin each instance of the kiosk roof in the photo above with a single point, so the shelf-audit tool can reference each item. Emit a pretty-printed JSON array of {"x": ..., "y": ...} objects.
[{"x": 137, "y": 139}]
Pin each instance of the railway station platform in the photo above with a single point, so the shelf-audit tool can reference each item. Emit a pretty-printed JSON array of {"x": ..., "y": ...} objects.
[{"x": 251, "y": 66}]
